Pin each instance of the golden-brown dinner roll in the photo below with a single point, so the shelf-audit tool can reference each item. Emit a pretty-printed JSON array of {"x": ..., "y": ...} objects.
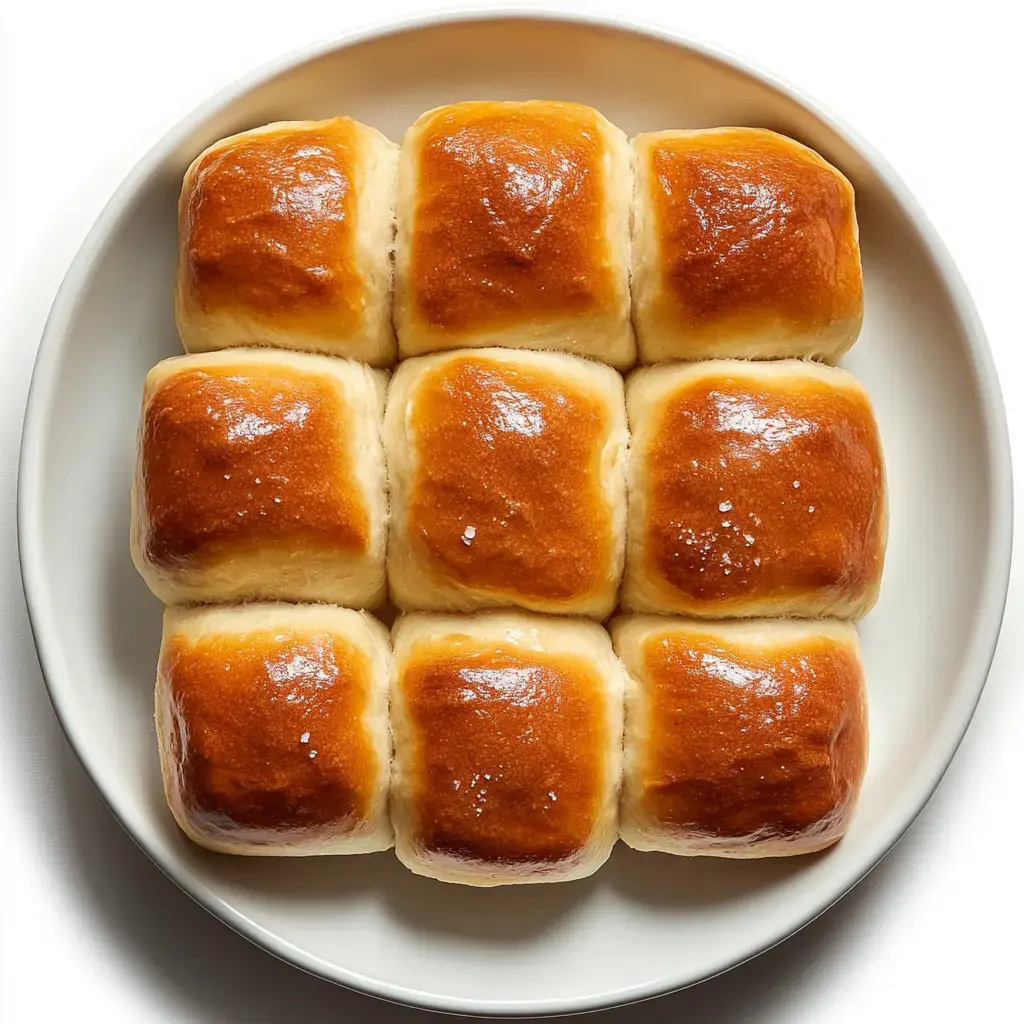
[
  {"x": 272, "y": 722},
  {"x": 513, "y": 230},
  {"x": 508, "y": 747},
  {"x": 754, "y": 489},
  {"x": 742, "y": 739},
  {"x": 285, "y": 239},
  {"x": 507, "y": 477},
  {"x": 744, "y": 246},
  {"x": 260, "y": 476}
]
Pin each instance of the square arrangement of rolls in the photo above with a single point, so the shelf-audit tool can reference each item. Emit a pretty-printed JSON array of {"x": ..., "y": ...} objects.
[{"x": 623, "y": 607}]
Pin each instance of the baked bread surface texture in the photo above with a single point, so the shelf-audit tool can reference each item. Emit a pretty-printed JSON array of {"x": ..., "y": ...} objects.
[
  {"x": 507, "y": 478},
  {"x": 285, "y": 240},
  {"x": 508, "y": 743},
  {"x": 260, "y": 476},
  {"x": 272, "y": 722},
  {"x": 513, "y": 230},
  {"x": 742, "y": 739},
  {"x": 755, "y": 489},
  {"x": 745, "y": 245}
]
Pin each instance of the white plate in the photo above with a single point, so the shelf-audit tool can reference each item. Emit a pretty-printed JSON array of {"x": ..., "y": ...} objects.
[{"x": 646, "y": 923}]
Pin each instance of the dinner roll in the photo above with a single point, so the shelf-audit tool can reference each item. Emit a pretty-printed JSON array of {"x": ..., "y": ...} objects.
[
  {"x": 508, "y": 737},
  {"x": 755, "y": 489},
  {"x": 272, "y": 722},
  {"x": 260, "y": 475},
  {"x": 513, "y": 230},
  {"x": 285, "y": 239},
  {"x": 744, "y": 245},
  {"x": 742, "y": 739},
  {"x": 508, "y": 482}
]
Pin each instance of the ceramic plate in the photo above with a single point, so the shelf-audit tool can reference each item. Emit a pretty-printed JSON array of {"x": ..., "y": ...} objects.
[{"x": 646, "y": 923}]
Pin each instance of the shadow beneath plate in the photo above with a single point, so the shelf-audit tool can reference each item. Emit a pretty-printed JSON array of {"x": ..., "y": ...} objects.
[
  {"x": 211, "y": 973},
  {"x": 202, "y": 971}
]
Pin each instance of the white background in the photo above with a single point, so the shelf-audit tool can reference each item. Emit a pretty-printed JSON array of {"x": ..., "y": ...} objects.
[{"x": 90, "y": 929}]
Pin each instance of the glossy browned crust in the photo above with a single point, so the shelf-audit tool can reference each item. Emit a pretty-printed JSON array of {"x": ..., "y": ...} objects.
[
  {"x": 753, "y": 226},
  {"x": 509, "y": 753},
  {"x": 242, "y": 458},
  {"x": 746, "y": 743},
  {"x": 509, "y": 217},
  {"x": 268, "y": 228},
  {"x": 765, "y": 492},
  {"x": 507, "y": 491},
  {"x": 266, "y": 730}
]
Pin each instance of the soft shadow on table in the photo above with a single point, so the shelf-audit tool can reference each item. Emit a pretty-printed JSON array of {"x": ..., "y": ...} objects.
[
  {"x": 221, "y": 977},
  {"x": 201, "y": 966}
]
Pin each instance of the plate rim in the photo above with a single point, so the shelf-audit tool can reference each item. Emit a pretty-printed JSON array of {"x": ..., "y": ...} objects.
[{"x": 988, "y": 613}]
